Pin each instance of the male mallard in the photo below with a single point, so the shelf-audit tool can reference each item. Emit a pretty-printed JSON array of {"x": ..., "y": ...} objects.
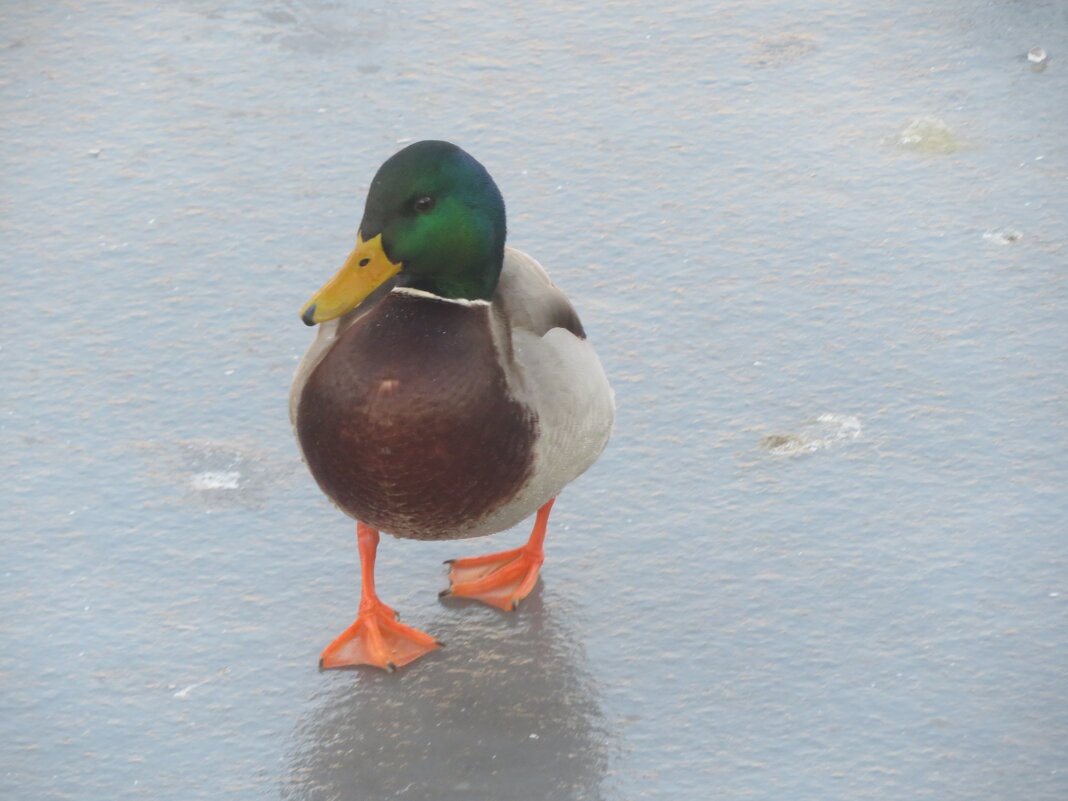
[{"x": 455, "y": 402}]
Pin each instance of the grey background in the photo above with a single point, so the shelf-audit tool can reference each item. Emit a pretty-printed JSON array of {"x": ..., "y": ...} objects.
[{"x": 821, "y": 250}]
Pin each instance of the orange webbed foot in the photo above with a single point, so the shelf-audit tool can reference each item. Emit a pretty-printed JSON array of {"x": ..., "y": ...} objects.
[
  {"x": 499, "y": 579},
  {"x": 378, "y": 639}
]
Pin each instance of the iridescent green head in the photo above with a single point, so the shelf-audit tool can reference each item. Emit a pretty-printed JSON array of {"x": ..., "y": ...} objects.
[
  {"x": 434, "y": 218},
  {"x": 441, "y": 216}
]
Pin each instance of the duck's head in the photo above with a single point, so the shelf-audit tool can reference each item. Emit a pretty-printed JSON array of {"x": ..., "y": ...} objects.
[{"x": 434, "y": 218}]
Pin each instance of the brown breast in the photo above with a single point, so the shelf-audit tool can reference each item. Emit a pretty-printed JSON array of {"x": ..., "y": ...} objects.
[{"x": 406, "y": 423}]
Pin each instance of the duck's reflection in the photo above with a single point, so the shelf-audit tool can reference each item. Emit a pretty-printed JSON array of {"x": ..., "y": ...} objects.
[{"x": 506, "y": 711}]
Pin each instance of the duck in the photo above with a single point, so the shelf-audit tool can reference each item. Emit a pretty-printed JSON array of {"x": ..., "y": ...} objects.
[{"x": 450, "y": 391}]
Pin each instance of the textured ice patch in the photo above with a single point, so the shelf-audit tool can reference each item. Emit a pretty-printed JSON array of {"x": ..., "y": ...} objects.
[
  {"x": 929, "y": 135},
  {"x": 216, "y": 480},
  {"x": 825, "y": 431},
  {"x": 1003, "y": 236},
  {"x": 218, "y": 474},
  {"x": 779, "y": 50}
]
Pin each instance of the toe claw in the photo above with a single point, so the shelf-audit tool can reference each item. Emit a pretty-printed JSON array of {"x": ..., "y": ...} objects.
[{"x": 445, "y": 593}]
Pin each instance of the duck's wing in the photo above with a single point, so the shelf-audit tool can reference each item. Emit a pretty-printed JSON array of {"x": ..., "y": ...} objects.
[
  {"x": 529, "y": 299},
  {"x": 553, "y": 370}
]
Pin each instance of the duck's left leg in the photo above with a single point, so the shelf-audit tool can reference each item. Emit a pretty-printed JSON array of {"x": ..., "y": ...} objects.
[
  {"x": 377, "y": 637},
  {"x": 501, "y": 579}
]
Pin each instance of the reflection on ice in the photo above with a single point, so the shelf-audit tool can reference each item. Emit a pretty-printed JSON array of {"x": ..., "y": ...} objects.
[{"x": 506, "y": 710}]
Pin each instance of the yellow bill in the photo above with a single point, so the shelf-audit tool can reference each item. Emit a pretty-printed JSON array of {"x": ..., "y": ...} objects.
[{"x": 366, "y": 268}]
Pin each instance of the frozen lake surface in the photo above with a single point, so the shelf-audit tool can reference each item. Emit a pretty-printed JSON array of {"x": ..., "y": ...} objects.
[{"x": 822, "y": 250}]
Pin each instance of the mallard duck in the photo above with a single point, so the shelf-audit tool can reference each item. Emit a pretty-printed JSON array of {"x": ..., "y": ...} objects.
[{"x": 450, "y": 391}]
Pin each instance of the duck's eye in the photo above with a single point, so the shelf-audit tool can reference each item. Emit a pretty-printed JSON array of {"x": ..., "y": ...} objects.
[{"x": 423, "y": 204}]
